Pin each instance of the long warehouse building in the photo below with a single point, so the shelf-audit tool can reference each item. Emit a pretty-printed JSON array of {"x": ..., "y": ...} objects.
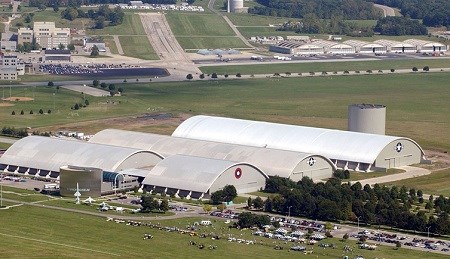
[
  {"x": 348, "y": 150},
  {"x": 273, "y": 162}
]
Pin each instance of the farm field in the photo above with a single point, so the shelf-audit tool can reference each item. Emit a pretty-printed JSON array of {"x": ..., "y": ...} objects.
[
  {"x": 263, "y": 68},
  {"x": 138, "y": 47},
  {"x": 73, "y": 235},
  {"x": 421, "y": 113},
  {"x": 437, "y": 183}
]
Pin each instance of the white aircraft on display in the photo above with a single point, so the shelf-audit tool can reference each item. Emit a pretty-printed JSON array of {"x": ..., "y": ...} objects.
[
  {"x": 77, "y": 195},
  {"x": 89, "y": 200}
]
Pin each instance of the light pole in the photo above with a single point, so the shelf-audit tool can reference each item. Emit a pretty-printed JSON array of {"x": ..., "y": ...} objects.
[
  {"x": 289, "y": 213},
  {"x": 358, "y": 223},
  {"x": 428, "y": 231}
]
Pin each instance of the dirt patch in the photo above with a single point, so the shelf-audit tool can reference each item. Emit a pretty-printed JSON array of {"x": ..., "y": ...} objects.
[
  {"x": 6, "y": 104},
  {"x": 158, "y": 123},
  {"x": 18, "y": 99},
  {"x": 439, "y": 160}
]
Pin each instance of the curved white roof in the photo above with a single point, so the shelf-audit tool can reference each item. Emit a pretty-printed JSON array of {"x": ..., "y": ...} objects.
[
  {"x": 334, "y": 144},
  {"x": 394, "y": 44},
  {"x": 362, "y": 44},
  {"x": 423, "y": 43},
  {"x": 52, "y": 153},
  {"x": 271, "y": 161},
  {"x": 189, "y": 173}
]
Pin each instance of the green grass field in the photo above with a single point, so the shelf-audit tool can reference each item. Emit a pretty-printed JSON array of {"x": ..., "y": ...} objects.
[
  {"x": 46, "y": 233},
  {"x": 263, "y": 68},
  {"x": 187, "y": 24},
  {"x": 109, "y": 41},
  {"x": 131, "y": 25},
  {"x": 202, "y": 31},
  {"x": 138, "y": 47},
  {"x": 437, "y": 183},
  {"x": 357, "y": 176},
  {"x": 210, "y": 42}
]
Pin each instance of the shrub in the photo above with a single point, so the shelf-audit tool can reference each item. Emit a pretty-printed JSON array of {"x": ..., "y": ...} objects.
[
  {"x": 202, "y": 76},
  {"x": 312, "y": 73},
  {"x": 414, "y": 69},
  {"x": 238, "y": 75},
  {"x": 13, "y": 113},
  {"x": 392, "y": 70},
  {"x": 380, "y": 71},
  {"x": 31, "y": 112},
  {"x": 41, "y": 111},
  {"x": 369, "y": 71},
  {"x": 324, "y": 73},
  {"x": 346, "y": 72},
  {"x": 21, "y": 112},
  {"x": 226, "y": 75},
  {"x": 357, "y": 71},
  {"x": 50, "y": 84},
  {"x": 214, "y": 75},
  {"x": 49, "y": 111},
  {"x": 426, "y": 68}
]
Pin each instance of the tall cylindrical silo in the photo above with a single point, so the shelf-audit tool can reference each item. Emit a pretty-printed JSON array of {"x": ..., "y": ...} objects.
[
  {"x": 236, "y": 5},
  {"x": 367, "y": 118}
]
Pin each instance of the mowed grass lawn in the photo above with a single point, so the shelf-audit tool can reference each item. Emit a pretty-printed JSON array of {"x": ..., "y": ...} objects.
[
  {"x": 202, "y": 31},
  {"x": 417, "y": 104},
  {"x": 45, "y": 233},
  {"x": 138, "y": 47},
  {"x": 131, "y": 25},
  {"x": 263, "y": 68},
  {"x": 189, "y": 24},
  {"x": 437, "y": 183},
  {"x": 109, "y": 41}
]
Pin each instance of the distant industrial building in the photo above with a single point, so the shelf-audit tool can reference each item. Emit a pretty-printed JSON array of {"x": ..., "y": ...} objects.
[
  {"x": 89, "y": 43},
  {"x": 9, "y": 41},
  {"x": 366, "y": 47},
  {"x": 301, "y": 46},
  {"x": 45, "y": 34},
  {"x": 397, "y": 46},
  {"x": 56, "y": 55},
  {"x": 427, "y": 46}
]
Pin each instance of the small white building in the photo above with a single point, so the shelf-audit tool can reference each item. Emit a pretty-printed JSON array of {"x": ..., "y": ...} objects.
[{"x": 424, "y": 46}]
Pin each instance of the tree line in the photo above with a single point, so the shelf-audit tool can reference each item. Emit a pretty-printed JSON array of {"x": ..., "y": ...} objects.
[
  {"x": 77, "y": 3},
  {"x": 393, "y": 25},
  {"x": 13, "y": 132},
  {"x": 324, "y": 9},
  {"x": 102, "y": 17},
  {"x": 378, "y": 205},
  {"x": 433, "y": 12},
  {"x": 311, "y": 23}
]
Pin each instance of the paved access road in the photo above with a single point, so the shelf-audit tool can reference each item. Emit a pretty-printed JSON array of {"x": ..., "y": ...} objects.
[{"x": 388, "y": 11}]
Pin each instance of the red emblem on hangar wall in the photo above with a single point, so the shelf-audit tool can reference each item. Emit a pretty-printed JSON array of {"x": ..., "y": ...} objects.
[{"x": 238, "y": 173}]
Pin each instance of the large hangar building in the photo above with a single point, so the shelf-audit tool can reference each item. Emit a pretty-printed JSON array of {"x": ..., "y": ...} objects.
[
  {"x": 43, "y": 157},
  {"x": 348, "y": 150},
  {"x": 198, "y": 177},
  {"x": 273, "y": 162}
]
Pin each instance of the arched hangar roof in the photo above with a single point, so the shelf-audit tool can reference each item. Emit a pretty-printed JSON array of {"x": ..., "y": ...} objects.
[
  {"x": 197, "y": 174},
  {"x": 334, "y": 144},
  {"x": 272, "y": 161},
  {"x": 52, "y": 153}
]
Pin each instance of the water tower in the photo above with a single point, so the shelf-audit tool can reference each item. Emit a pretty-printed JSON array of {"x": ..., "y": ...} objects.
[
  {"x": 367, "y": 118},
  {"x": 235, "y": 6}
]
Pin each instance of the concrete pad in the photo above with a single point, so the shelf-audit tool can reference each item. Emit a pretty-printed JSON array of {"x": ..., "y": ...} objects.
[{"x": 87, "y": 90}]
